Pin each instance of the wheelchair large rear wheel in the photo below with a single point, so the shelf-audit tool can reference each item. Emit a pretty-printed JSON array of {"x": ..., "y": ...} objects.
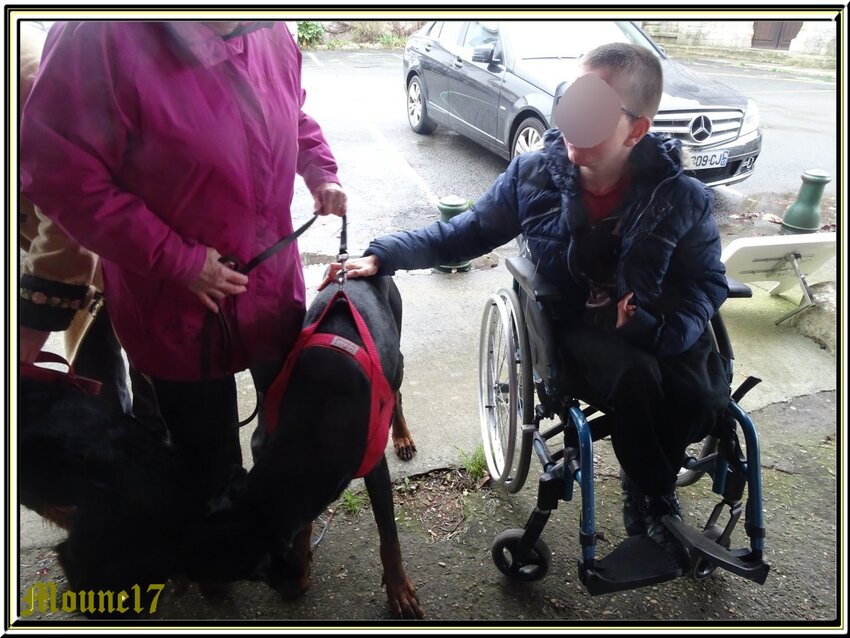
[
  {"x": 506, "y": 394},
  {"x": 700, "y": 450}
]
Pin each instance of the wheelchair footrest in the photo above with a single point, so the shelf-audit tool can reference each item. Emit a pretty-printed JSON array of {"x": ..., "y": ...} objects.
[
  {"x": 736, "y": 561},
  {"x": 636, "y": 562}
]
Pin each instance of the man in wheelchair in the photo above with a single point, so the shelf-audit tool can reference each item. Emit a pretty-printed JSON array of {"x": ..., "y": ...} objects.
[{"x": 632, "y": 245}]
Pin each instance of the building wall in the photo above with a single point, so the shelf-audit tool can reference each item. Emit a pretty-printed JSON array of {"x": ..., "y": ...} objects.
[{"x": 815, "y": 38}]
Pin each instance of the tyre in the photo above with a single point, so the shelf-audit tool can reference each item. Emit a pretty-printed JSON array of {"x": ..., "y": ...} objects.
[
  {"x": 700, "y": 567},
  {"x": 528, "y": 136},
  {"x": 505, "y": 551},
  {"x": 506, "y": 393},
  {"x": 417, "y": 112},
  {"x": 700, "y": 450}
]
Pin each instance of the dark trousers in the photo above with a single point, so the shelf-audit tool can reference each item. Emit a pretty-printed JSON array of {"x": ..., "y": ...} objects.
[
  {"x": 660, "y": 404},
  {"x": 202, "y": 419},
  {"x": 99, "y": 357}
]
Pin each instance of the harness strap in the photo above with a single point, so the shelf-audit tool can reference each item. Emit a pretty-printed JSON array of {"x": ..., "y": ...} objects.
[
  {"x": 50, "y": 376},
  {"x": 382, "y": 398}
]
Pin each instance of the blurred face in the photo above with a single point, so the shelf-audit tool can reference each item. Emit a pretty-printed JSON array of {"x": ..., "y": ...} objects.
[{"x": 591, "y": 114}]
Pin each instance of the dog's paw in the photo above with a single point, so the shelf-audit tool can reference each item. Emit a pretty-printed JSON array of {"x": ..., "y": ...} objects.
[
  {"x": 402, "y": 599},
  {"x": 405, "y": 448}
]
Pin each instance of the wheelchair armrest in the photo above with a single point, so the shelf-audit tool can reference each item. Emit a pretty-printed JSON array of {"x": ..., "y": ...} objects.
[
  {"x": 533, "y": 283},
  {"x": 738, "y": 289}
]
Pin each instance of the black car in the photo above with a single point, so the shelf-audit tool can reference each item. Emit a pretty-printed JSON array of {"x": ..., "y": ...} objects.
[{"x": 494, "y": 82}]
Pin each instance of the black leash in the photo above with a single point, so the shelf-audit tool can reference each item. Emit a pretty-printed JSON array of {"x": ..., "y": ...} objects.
[
  {"x": 342, "y": 255},
  {"x": 268, "y": 252},
  {"x": 226, "y": 333},
  {"x": 224, "y": 326}
]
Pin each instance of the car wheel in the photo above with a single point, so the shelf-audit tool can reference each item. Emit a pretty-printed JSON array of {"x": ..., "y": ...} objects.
[
  {"x": 528, "y": 136},
  {"x": 417, "y": 113}
]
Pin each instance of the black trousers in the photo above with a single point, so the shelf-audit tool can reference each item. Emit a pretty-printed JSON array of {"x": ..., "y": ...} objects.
[
  {"x": 660, "y": 404},
  {"x": 202, "y": 420}
]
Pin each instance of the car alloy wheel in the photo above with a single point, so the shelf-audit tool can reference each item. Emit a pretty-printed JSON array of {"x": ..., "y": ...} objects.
[
  {"x": 417, "y": 115},
  {"x": 528, "y": 137}
]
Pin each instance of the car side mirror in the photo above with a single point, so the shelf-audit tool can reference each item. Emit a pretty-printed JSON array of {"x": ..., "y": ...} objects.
[
  {"x": 559, "y": 92},
  {"x": 483, "y": 54}
]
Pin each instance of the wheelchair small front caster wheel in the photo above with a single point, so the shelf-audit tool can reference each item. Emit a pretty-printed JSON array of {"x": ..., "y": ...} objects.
[
  {"x": 701, "y": 568},
  {"x": 506, "y": 550}
]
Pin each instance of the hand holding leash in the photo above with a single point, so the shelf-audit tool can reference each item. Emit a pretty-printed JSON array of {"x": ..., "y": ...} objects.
[
  {"x": 217, "y": 280},
  {"x": 330, "y": 199}
]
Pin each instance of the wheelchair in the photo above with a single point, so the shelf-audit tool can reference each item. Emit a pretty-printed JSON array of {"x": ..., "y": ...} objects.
[{"x": 522, "y": 382}]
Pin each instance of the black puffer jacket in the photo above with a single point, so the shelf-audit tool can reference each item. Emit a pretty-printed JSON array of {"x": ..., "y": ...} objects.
[{"x": 670, "y": 253}]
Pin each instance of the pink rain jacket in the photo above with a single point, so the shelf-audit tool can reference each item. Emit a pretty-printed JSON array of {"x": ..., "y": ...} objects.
[{"x": 148, "y": 141}]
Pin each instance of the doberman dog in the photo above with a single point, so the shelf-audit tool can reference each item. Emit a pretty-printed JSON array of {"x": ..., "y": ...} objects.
[
  {"x": 127, "y": 501},
  {"x": 312, "y": 456}
]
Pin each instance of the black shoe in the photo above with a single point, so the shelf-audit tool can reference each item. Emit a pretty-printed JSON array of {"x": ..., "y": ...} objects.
[
  {"x": 656, "y": 508},
  {"x": 634, "y": 506}
]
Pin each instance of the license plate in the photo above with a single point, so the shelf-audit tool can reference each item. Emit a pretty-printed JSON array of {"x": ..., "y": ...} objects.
[{"x": 717, "y": 159}]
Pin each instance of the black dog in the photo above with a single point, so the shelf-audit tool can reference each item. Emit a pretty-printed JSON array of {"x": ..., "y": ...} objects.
[
  {"x": 119, "y": 490},
  {"x": 312, "y": 456},
  {"x": 129, "y": 505}
]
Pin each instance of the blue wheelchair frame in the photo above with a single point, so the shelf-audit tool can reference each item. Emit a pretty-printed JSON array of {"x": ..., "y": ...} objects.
[{"x": 637, "y": 561}]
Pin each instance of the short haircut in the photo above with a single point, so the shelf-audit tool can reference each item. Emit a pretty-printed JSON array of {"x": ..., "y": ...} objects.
[{"x": 638, "y": 66}]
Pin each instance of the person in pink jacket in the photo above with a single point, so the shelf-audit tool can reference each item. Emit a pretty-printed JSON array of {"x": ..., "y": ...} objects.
[{"x": 161, "y": 146}]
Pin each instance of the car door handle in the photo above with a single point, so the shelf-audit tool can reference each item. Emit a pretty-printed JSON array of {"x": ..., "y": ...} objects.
[
  {"x": 427, "y": 47},
  {"x": 457, "y": 62}
]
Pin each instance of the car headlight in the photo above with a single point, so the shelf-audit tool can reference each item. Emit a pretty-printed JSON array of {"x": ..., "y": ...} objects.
[{"x": 751, "y": 118}]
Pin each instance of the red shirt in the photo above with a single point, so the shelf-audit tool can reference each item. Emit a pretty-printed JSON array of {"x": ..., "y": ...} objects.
[{"x": 601, "y": 206}]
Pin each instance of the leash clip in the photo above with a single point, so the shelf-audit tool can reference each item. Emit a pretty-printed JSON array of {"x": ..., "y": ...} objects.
[
  {"x": 342, "y": 256},
  {"x": 341, "y": 276}
]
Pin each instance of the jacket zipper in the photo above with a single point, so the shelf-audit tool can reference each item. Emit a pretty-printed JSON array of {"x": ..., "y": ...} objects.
[{"x": 622, "y": 260}]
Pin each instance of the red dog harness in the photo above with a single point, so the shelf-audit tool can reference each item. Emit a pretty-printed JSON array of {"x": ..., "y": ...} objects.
[
  {"x": 49, "y": 376},
  {"x": 382, "y": 397}
]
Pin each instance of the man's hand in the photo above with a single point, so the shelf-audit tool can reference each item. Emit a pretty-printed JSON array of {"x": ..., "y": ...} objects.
[
  {"x": 216, "y": 281},
  {"x": 32, "y": 341},
  {"x": 625, "y": 310},
  {"x": 354, "y": 268},
  {"x": 330, "y": 199}
]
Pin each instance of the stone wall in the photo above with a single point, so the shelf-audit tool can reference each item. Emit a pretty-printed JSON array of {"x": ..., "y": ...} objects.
[{"x": 815, "y": 38}]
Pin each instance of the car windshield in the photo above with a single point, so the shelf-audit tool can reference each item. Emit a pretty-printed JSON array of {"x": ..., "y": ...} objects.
[{"x": 568, "y": 38}]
